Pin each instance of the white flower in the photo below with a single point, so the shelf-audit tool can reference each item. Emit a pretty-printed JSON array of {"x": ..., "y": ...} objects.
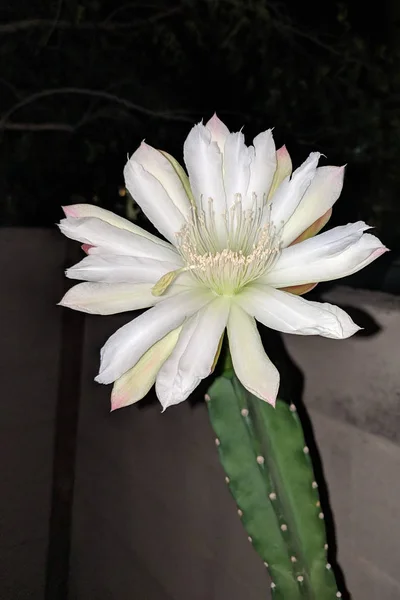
[{"x": 231, "y": 228}]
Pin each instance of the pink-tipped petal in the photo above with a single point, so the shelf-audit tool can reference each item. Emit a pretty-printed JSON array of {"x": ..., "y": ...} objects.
[
  {"x": 133, "y": 385},
  {"x": 336, "y": 253},
  {"x": 283, "y": 169},
  {"x": 219, "y": 131},
  {"x": 289, "y": 313},
  {"x": 321, "y": 195},
  {"x": 101, "y": 237},
  {"x": 289, "y": 194},
  {"x": 299, "y": 290},
  {"x": 155, "y": 163},
  {"x": 153, "y": 199},
  {"x": 71, "y": 210},
  {"x": 79, "y": 211},
  {"x": 314, "y": 228},
  {"x": 129, "y": 343}
]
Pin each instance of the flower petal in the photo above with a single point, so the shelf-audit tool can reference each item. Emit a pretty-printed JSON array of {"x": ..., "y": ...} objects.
[
  {"x": 105, "y": 237},
  {"x": 336, "y": 253},
  {"x": 122, "y": 269},
  {"x": 237, "y": 159},
  {"x": 90, "y": 210},
  {"x": 112, "y": 298},
  {"x": 181, "y": 173},
  {"x": 153, "y": 199},
  {"x": 288, "y": 195},
  {"x": 263, "y": 166},
  {"x": 323, "y": 192},
  {"x": 193, "y": 357},
  {"x": 155, "y": 163},
  {"x": 252, "y": 366},
  {"x": 299, "y": 290},
  {"x": 203, "y": 160},
  {"x": 135, "y": 383},
  {"x": 292, "y": 314},
  {"x": 218, "y": 130},
  {"x": 283, "y": 169},
  {"x": 127, "y": 345},
  {"x": 313, "y": 229}
]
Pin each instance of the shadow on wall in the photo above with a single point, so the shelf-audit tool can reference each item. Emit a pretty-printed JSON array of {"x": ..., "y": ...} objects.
[{"x": 292, "y": 390}]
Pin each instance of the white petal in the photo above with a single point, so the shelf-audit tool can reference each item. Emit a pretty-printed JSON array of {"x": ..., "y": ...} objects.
[
  {"x": 106, "y": 237},
  {"x": 127, "y": 345},
  {"x": 218, "y": 130},
  {"x": 193, "y": 357},
  {"x": 203, "y": 160},
  {"x": 112, "y": 298},
  {"x": 290, "y": 192},
  {"x": 153, "y": 200},
  {"x": 283, "y": 169},
  {"x": 158, "y": 165},
  {"x": 323, "y": 192},
  {"x": 122, "y": 269},
  {"x": 316, "y": 259},
  {"x": 292, "y": 314},
  {"x": 237, "y": 159},
  {"x": 135, "y": 383},
  {"x": 252, "y": 366},
  {"x": 263, "y": 166},
  {"x": 90, "y": 210}
]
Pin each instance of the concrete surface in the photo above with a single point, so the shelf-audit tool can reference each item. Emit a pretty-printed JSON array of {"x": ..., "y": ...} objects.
[
  {"x": 153, "y": 518},
  {"x": 31, "y": 282}
]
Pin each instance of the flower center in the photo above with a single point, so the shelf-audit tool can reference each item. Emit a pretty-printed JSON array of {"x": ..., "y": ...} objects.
[{"x": 227, "y": 255}]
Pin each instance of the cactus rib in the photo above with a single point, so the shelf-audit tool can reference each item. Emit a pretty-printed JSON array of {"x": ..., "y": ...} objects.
[{"x": 270, "y": 475}]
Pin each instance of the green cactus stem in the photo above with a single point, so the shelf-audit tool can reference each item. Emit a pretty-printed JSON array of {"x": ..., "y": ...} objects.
[{"x": 270, "y": 475}]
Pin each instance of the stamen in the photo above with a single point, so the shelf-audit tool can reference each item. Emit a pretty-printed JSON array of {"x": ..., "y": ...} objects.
[{"x": 250, "y": 247}]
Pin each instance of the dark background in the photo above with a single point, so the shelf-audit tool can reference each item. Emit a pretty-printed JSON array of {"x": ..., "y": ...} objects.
[{"x": 83, "y": 82}]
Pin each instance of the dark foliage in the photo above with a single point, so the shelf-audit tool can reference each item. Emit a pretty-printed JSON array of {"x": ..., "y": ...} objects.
[{"x": 83, "y": 82}]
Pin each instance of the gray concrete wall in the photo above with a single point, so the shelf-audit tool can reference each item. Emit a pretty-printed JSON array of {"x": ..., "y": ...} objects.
[
  {"x": 152, "y": 517},
  {"x": 352, "y": 389},
  {"x": 31, "y": 282}
]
